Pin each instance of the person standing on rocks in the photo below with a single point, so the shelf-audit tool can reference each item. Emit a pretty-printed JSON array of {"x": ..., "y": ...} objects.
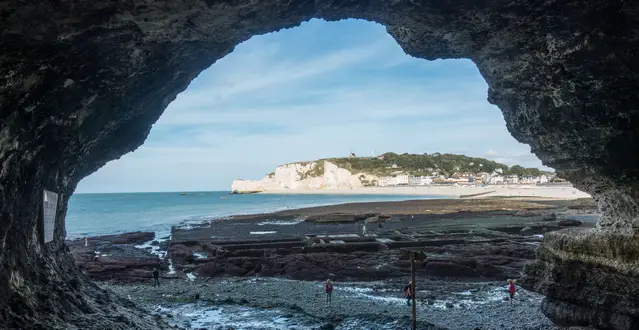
[
  {"x": 328, "y": 287},
  {"x": 511, "y": 289},
  {"x": 408, "y": 291},
  {"x": 156, "y": 277}
]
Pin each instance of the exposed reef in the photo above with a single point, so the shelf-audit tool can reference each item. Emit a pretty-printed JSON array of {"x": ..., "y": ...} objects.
[{"x": 83, "y": 82}]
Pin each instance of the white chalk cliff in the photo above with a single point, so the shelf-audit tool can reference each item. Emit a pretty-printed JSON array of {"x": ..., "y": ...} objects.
[{"x": 304, "y": 176}]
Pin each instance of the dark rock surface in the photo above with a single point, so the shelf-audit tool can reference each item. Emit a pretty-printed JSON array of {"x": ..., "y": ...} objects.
[
  {"x": 589, "y": 278},
  {"x": 82, "y": 83},
  {"x": 116, "y": 258},
  {"x": 492, "y": 245}
]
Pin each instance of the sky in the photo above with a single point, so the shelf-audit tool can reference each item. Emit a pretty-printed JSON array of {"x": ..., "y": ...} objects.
[{"x": 323, "y": 89}]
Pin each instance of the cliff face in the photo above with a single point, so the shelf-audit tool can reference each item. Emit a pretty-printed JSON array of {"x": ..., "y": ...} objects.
[{"x": 303, "y": 176}]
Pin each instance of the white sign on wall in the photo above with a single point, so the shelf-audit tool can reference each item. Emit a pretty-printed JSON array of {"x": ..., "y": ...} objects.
[{"x": 50, "y": 206}]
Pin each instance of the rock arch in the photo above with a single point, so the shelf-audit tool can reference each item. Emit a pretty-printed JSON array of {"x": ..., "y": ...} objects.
[{"x": 82, "y": 83}]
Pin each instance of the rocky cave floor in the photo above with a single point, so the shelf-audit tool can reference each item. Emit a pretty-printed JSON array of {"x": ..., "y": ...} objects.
[
  {"x": 273, "y": 303},
  {"x": 266, "y": 271}
]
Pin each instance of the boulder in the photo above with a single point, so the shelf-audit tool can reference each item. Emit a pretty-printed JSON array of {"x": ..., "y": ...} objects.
[
  {"x": 374, "y": 219},
  {"x": 234, "y": 270},
  {"x": 570, "y": 223},
  {"x": 209, "y": 270}
]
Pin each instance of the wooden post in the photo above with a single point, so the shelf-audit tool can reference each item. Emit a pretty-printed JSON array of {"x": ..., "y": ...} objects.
[{"x": 412, "y": 276}]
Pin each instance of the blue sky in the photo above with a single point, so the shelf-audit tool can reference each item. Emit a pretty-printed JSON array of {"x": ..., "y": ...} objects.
[{"x": 323, "y": 89}]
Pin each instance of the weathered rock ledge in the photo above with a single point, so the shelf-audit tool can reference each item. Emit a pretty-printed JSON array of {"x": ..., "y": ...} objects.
[
  {"x": 589, "y": 278},
  {"x": 82, "y": 83}
]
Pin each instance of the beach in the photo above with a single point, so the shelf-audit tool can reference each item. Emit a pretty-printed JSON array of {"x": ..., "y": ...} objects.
[
  {"x": 269, "y": 267},
  {"x": 558, "y": 192}
]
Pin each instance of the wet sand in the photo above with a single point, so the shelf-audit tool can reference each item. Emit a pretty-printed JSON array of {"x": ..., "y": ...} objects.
[
  {"x": 562, "y": 191},
  {"x": 413, "y": 207}
]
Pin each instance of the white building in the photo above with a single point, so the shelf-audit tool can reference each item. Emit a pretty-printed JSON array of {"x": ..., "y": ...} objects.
[
  {"x": 415, "y": 181},
  {"x": 420, "y": 180},
  {"x": 543, "y": 179},
  {"x": 386, "y": 181},
  {"x": 401, "y": 180},
  {"x": 426, "y": 180},
  {"x": 511, "y": 179},
  {"x": 495, "y": 179}
]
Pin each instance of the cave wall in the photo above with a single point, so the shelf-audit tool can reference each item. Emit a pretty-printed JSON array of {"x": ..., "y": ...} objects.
[{"x": 82, "y": 82}]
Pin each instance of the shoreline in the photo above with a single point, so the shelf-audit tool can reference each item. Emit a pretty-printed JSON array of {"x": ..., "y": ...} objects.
[
  {"x": 418, "y": 206},
  {"x": 555, "y": 192}
]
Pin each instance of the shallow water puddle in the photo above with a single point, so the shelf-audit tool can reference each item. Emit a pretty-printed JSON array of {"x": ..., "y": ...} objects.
[
  {"x": 465, "y": 299},
  {"x": 279, "y": 222},
  {"x": 197, "y": 316},
  {"x": 262, "y": 232}
]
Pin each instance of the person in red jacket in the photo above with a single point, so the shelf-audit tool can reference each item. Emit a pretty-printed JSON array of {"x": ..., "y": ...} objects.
[
  {"x": 328, "y": 287},
  {"x": 511, "y": 289},
  {"x": 408, "y": 292}
]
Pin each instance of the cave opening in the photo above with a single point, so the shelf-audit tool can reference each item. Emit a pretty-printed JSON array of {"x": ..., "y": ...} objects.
[
  {"x": 300, "y": 94},
  {"x": 84, "y": 83}
]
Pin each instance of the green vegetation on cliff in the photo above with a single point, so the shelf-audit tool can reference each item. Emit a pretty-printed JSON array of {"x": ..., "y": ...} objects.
[{"x": 426, "y": 164}]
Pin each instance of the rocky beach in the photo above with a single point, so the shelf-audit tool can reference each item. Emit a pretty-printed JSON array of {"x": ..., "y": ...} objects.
[{"x": 270, "y": 267}]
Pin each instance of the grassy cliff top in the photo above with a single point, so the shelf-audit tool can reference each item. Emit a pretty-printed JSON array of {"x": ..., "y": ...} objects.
[{"x": 425, "y": 164}]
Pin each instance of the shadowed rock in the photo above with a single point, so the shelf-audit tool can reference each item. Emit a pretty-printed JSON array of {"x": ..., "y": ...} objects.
[{"x": 83, "y": 82}]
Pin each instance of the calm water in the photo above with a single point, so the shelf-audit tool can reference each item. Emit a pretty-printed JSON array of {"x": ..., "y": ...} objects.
[{"x": 98, "y": 214}]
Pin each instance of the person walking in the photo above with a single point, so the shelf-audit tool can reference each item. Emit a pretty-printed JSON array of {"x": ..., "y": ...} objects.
[
  {"x": 328, "y": 287},
  {"x": 511, "y": 289},
  {"x": 408, "y": 292},
  {"x": 156, "y": 277}
]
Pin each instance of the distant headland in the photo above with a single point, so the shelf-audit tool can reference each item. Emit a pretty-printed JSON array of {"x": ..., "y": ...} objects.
[{"x": 410, "y": 174}]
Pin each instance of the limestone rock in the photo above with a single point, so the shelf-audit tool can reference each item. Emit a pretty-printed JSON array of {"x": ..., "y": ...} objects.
[
  {"x": 588, "y": 277},
  {"x": 302, "y": 176}
]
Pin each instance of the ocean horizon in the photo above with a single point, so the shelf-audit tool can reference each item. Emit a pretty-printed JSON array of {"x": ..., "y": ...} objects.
[{"x": 92, "y": 214}]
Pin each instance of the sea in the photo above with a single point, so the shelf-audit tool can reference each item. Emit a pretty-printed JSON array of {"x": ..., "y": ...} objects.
[{"x": 102, "y": 214}]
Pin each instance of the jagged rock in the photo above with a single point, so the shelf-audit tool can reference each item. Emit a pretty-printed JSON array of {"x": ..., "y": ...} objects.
[
  {"x": 83, "y": 83},
  {"x": 550, "y": 217},
  {"x": 181, "y": 254}
]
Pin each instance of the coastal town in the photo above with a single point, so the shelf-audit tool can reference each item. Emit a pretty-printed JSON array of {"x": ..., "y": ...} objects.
[
  {"x": 466, "y": 178},
  {"x": 428, "y": 173}
]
